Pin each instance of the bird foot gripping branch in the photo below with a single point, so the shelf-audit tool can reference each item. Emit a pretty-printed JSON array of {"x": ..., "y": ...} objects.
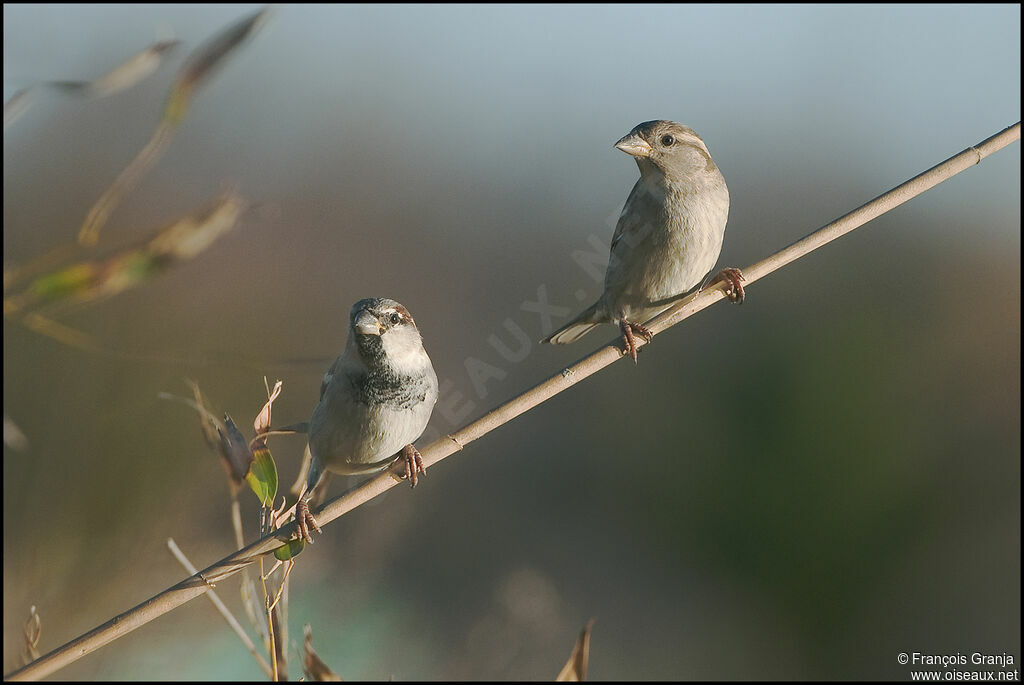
[
  {"x": 409, "y": 465},
  {"x": 733, "y": 278},
  {"x": 304, "y": 520},
  {"x": 629, "y": 333}
]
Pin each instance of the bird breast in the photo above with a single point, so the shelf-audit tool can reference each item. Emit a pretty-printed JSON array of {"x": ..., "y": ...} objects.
[
  {"x": 678, "y": 245},
  {"x": 370, "y": 418}
]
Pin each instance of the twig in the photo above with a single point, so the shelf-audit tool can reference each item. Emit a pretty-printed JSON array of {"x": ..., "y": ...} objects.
[
  {"x": 447, "y": 445},
  {"x": 126, "y": 180},
  {"x": 222, "y": 608},
  {"x": 270, "y": 624}
]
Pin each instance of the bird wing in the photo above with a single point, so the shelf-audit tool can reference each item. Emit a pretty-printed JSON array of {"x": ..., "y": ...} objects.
[
  {"x": 329, "y": 375},
  {"x": 635, "y": 222},
  {"x": 335, "y": 421}
]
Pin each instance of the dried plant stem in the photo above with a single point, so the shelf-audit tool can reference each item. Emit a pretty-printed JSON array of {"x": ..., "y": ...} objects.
[
  {"x": 90, "y": 232},
  {"x": 236, "y": 520},
  {"x": 435, "y": 452},
  {"x": 222, "y": 608},
  {"x": 270, "y": 623}
]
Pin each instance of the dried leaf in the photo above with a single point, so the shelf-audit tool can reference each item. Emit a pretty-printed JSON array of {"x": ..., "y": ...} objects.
[
  {"x": 208, "y": 423},
  {"x": 199, "y": 66},
  {"x": 188, "y": 237},
  {"x": 312, "y": 664},
  {"x": 132, "y": 70},
  {"x": 13, "y": 437},
  {"x": 125, "y": 75},
  {"x": 59, "y": 332},
  {"x": 205, "y": 59},
  {"x": 214, "y": 433},
  {"x": 16, "y": 106},
  {"x": 236, "y": 449},
  {"x": 89, "y": 281},
  {"x": 86, "y": 282},
  {"x": 262, "y": 422},
  {"x": 575, "y": 669},
  {"x": 32, "y": 631}
]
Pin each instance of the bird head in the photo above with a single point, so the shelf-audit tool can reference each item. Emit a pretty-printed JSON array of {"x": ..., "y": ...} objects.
[
  {"x": 667, "y": 148},
  {"x": 384, "y": 331}
]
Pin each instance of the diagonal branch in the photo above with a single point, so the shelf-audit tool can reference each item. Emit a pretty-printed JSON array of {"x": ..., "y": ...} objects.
[
  {"x": 201, "y": 582},
  {"x": 223, "y": 609}
]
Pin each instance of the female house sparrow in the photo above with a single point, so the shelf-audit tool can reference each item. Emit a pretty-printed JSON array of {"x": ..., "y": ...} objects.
[
  {"x": 668, "y": 236},
  {"x": 375, "y": 400}
]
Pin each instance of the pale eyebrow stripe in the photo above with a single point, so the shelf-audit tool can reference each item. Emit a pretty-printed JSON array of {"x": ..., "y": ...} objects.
[{"x": 709, "y": 163}]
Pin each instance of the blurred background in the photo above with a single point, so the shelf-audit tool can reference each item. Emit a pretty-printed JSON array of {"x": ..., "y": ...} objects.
[{"x": 801, "y": 488}]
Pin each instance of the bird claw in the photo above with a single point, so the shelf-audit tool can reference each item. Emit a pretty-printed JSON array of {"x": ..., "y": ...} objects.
[
  {"x": 304, "y": 520},
  {"x": 733, "y": 279},
  {"x": 412, "y": 463},
  {"x": 629, "y": 333}
]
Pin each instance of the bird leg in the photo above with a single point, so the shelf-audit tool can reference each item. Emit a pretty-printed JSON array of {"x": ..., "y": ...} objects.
[
  {"x": 629, "y": 332},
  {"x": 733, "y": 284},
  {"x": 412, "y": 462},
  {"x": 304, "y": 518}
]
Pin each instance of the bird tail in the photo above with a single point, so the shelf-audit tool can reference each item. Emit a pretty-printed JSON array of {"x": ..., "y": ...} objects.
[{"x": 575, "y": 329}]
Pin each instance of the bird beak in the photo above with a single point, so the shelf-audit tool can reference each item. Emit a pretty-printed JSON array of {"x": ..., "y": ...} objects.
[
  {"x": 367, "y": 324},
  {"x": 632, "y": 144}
]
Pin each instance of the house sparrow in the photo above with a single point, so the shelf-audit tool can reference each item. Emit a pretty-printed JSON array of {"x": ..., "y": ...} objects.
[
  {"x": 375, "y": 400},
  {"x": 668, "y": 236}
]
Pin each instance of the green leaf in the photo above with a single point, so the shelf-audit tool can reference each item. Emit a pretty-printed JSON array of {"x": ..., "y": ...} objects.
[
  {"x": 262, "y": 476},
  {"x": 71, "y": 280},
  {"x": 290, "y": 550}
]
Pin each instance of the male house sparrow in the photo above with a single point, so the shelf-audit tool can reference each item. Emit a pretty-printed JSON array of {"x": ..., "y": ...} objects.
[
  {"x": 375, "y": 400},
  {"x": 668, "y": 236}
]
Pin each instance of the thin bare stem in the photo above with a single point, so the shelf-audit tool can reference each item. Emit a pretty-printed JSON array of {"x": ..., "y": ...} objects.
[
  {"x": 284, "y": 581},
  {"x": 222, "y": 608},
  {"x": 236, "y": 520},
  {"x": 270, "y": 623},
  {"x": 438, "y": 450},
  {"x": 136, "y": 169}
]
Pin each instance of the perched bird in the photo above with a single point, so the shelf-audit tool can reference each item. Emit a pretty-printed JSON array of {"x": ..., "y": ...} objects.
[
  {"x": 668, "y": 237},
  {"x": 375, "y": 401}
]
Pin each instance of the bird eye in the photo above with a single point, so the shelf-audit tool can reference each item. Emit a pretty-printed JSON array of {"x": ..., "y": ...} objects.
[
  {"x": 667, "y": 140},
  {"x": 395, "y": 318}
]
